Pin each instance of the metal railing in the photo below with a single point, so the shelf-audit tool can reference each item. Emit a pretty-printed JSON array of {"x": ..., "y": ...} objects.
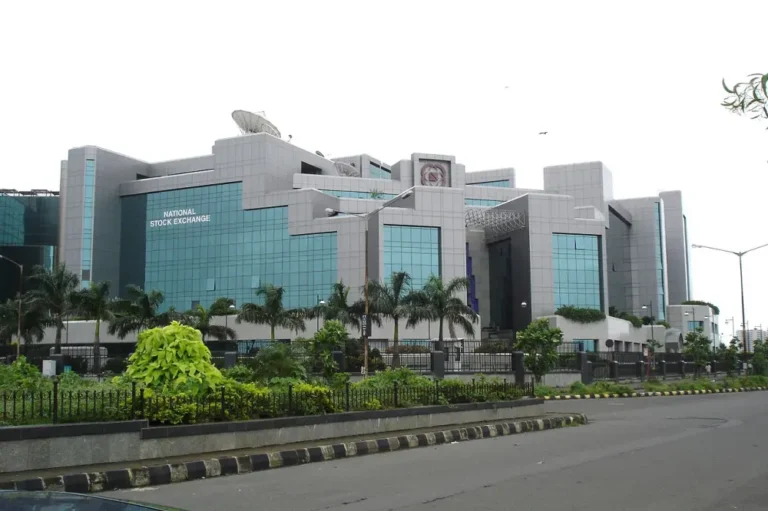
[{"x": 58, "y": 405}]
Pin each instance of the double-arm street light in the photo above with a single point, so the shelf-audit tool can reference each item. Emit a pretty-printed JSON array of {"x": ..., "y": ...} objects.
[
  {"x": 18, "y": 324},
  {"x": 741, "y": 279},
  {"x": 365, "y": 217}
]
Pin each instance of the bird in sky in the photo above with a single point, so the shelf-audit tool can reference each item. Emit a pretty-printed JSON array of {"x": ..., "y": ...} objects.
[{"x": 543, "y": 132}]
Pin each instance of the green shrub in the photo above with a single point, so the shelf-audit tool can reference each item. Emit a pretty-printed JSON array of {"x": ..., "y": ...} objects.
[
  {"x": 116, "y": 365},
  {"x": 408, "y": 349},
  {"x": 373, "y": 404},
  {"x": 278, "y": 360},
  {"x": 580, "y": 315},
  {"x": 240, "y": 373},
  {"x": 494, "y": 347},
  {"x": 21, "y": 375},
  {"x": 544, "y": 390},
  {"x": 173, "y": 358},
  {"x": 386, "y": 379}
]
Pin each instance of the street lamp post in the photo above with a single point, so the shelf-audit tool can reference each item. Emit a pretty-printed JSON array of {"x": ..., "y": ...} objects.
[
  {"x": 321, "y": 303},
  {"x": 18, "y": 323},
  {"x": 740, "y": 255},
  {"x": 365, "y": 217},
  {"x": 653, "y": 337},
  {"x": 226, "y": 316}
]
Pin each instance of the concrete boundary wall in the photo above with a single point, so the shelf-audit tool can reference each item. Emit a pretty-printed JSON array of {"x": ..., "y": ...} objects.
[{"x": 30, "y": 448}]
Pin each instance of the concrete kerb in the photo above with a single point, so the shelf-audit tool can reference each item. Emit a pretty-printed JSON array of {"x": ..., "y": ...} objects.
[
  {"x": 652, "y": 394},
  {"x": 228, "y": 465}
]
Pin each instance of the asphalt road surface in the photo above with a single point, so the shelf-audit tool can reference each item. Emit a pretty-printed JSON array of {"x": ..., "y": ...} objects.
[{"x": 678, "y": 453}]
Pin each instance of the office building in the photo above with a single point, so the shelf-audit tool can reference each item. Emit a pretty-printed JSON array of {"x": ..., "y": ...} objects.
[
  {"x": 29, "y": 230},
  {"x": 259, "y": 210}
]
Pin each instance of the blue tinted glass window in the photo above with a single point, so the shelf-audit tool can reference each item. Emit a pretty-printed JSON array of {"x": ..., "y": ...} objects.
[
  {"x": 200, "y": 244},
  {"x": 372, "y": 195},
  {"x": 88, "y": 193},
  {"x": 11, "y": 221},
  {"x": 412, "y": 249},
  {"x": 482, "y": 202},
  {"x": 378, "y": 172},
  {"x": 576, "y": 262},
  {"x": 502, "y": 183},
  {"x": 693, "y": 325},
  {"x": 659, "y": 246}
]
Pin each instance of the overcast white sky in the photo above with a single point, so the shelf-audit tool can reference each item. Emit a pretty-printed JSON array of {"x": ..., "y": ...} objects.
[{"x": 634, "y": 84}]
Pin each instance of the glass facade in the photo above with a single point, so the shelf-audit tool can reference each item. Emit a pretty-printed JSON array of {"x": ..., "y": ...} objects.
[
  {"x": 197, "y": 244},
  {"x": 693, "y": 325},
  {"x": 585, "y": 344},
  {"x": 482, "y": 202},
  {"x": 11, "y": 220},
  {"x": 372, "y": 195},
  {"x": 378, "y": 172},
  {"x": 415, "y": 250},
  {"x": 502, "y": 183},
  {"x": 29, "y": 232},
  {"x": 87, "y": 249},
  {"x": 576, "y": 261},
  {"x": 659, "y": 246}
]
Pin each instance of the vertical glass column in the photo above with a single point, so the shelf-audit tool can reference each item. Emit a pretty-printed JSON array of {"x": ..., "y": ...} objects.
[
  {"x": 87, "y": 249},
  {"x": 659, "y": 246},
  {"x": 576, "y": 263}
]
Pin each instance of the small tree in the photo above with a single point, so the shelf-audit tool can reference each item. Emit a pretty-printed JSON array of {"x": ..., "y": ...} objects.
[
  {"x": 332, "y": 337},
  {"x": 539, "y": 344},
  {"x": 653, "y": 346},
  {"x": 760, "y": 358},
  {"x": 173, "y": 358},
  {"x": 697, "y": 346},
  {"x": 33, "y": 322}
]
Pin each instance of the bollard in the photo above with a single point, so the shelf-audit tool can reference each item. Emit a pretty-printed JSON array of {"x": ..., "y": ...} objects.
[
  {"x": 663, "y": 369},
  {"x": 518, "y": 367},
  {"x": 55, "y": 411},
  {"x": 640, "y": 369},
  {"x": 590, "y": 374},
  {"x": 438, "y": 364},
  {"x": 613, "y": 371},
  {"x": 681, "y": 368},
  {"x": 230, "y": 359}
]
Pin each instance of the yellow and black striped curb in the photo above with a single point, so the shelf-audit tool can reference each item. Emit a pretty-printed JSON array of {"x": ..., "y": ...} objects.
[
  {"x": 651, "y": 394},
  {"x": 229, "y": 465}
]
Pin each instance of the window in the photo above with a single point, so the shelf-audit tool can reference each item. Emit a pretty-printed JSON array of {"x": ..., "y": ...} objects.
[
  {"x": 306, "y": 168},
  {"x": 577, "y": 267},
  {"x": 585, "y": 344},
  {"x": 228, "y": 252},
  {"x": 502, "y": 183},
  {"x": 693, "y": 325},
  {"x": 379, "y": 172},
  {"x": 11, "y": 221},
  {"x": 415, "y": 250},
  {"x": 482, "y": 202},
  {"x": 88, "y": 194},
  {"x": 659, "y": 246},
  {"x": 372, "y": 195}
]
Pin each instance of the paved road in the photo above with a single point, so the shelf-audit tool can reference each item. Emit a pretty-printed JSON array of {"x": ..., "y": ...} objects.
[{"x": 677, "y": 453}]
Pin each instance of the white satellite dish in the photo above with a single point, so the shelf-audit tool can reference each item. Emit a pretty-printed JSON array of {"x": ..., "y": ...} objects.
[
  {"x": 250, "y": 122},
  {"x": 345, "y": 169}
]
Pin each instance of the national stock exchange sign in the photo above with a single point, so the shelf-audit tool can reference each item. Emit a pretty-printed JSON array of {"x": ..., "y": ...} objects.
[{"x": 179, "y": 217}]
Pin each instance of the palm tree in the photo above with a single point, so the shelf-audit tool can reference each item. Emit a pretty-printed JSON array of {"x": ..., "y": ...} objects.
[
  {"x": 435, "y": 302},
  {"x": 137, "y": 312},
  {"x": 336, "y": 307},
  {"x": 200, "y": 319},
  {"x": 272, "y": 313},
  {"x": 391, "y": 300},
  {"x": 51, "y": 292},
  {"x": 33, "y": 321},
  {"x": 94, "y": 304}
]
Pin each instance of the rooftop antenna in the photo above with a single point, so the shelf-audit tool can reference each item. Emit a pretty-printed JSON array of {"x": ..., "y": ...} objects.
[{"x": 250, "y": 122}]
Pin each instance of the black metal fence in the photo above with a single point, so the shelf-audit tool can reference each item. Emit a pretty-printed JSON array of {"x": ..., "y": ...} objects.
[{"x": 65, "y": 406}]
